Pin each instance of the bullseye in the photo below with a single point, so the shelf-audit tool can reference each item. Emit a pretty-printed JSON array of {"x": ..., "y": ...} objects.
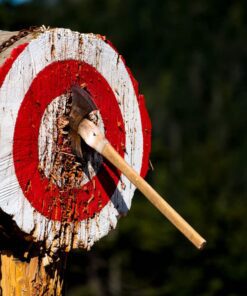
[
  {"x": 56, "y": 153},
  {"x": 48, "y": 199}
]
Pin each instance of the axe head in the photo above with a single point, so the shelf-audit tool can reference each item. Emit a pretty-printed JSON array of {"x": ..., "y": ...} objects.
[{"x": 82, "y": 105}]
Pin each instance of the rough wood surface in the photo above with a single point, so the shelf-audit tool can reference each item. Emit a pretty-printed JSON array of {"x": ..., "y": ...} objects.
[{"x": 30, "y": 278}]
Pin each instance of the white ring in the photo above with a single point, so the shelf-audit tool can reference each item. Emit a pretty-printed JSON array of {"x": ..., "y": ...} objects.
[{"x": 36, "y": 56}]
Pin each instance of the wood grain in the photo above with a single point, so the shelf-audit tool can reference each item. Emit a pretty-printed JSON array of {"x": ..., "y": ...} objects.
[{"x": 30, "y": 278}]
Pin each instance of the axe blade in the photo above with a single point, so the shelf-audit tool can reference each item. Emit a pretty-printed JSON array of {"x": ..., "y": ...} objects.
[{"x": 82, "y": 105}]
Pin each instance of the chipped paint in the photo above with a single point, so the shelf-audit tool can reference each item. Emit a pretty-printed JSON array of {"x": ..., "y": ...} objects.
[{"x": 51, "y": 47}]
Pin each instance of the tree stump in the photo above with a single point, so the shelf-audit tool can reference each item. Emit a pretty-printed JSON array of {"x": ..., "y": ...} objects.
[{"x": 51, "y": 201}]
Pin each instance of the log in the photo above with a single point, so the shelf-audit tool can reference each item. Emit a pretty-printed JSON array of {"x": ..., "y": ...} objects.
[{"x": 51, "y": 201}]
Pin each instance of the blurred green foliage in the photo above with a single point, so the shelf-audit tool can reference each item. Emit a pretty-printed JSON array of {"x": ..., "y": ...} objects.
[{"x": 190, "y": 58}]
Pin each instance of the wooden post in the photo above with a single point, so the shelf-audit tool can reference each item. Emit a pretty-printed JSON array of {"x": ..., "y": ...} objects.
[
  {"x": 29, "y": 277},
  {"x": 51, "y": 201},
  {"x": 25, "y": 268}
]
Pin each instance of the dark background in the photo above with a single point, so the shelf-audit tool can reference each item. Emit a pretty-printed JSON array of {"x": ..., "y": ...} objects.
[{"x": 190, "y": 58}]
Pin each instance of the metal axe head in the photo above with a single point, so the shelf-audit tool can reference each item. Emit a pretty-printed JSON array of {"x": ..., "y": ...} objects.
[{"x": 82, "y": 105}]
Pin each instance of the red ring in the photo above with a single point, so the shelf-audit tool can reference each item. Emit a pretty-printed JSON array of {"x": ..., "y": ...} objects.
[{"x": 44, "y": 196}]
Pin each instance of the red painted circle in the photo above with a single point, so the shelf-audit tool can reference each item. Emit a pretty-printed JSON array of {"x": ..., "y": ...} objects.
[{"x": 44, "y": 196}]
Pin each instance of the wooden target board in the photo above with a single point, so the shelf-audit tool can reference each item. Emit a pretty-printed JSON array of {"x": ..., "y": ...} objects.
[{"x": 44, "y": 188}]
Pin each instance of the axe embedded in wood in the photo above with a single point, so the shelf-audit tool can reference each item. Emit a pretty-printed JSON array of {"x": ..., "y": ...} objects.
[{"x": 82, "y": 105}]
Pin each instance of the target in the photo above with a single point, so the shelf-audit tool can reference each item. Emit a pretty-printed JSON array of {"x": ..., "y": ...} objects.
[{"x": 42, "y": 185}]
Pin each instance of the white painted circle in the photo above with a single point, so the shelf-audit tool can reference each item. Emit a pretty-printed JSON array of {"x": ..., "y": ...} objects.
[
  {"x": 48, "y": 136},
  {"x": 37, "y": 55}
]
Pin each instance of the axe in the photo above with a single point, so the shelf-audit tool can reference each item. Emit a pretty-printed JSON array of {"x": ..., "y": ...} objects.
[{"x": 82, "y": 127}]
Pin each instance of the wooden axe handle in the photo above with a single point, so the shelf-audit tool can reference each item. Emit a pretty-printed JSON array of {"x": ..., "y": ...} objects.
[
  {"x": 95, "y": 139},
  {"x": 112, "y": 155}
]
